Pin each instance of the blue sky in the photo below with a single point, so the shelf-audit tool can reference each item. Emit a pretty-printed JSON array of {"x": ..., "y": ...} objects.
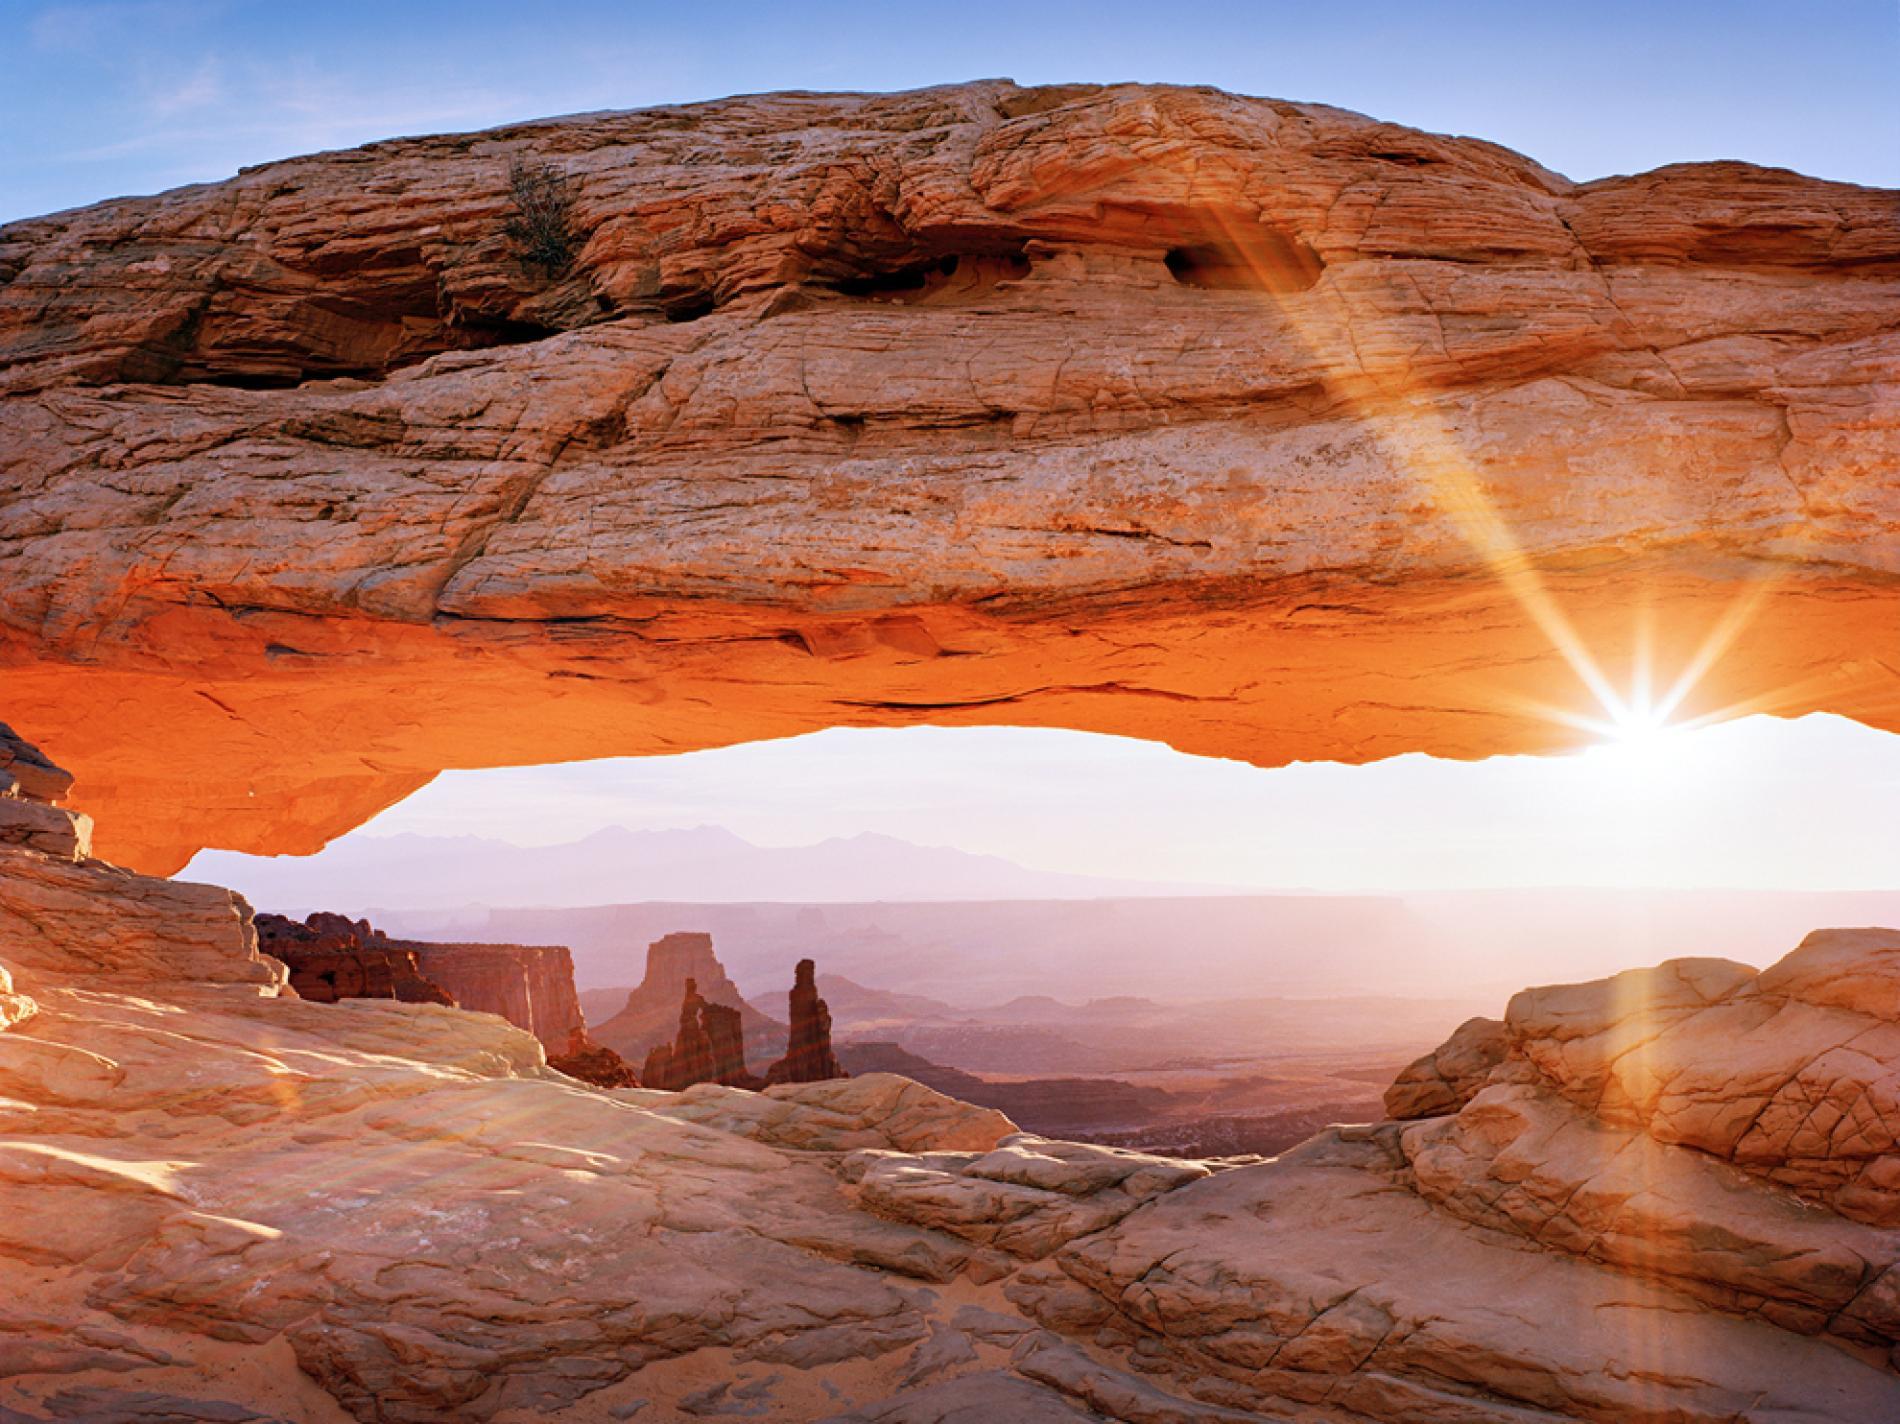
[{"x": 103, "y": 99}]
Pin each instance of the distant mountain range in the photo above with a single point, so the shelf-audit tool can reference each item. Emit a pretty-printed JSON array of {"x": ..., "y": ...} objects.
[
  {"x": 969, "y": 953},
  {"x": 981, "y": 930},
  {"x": 705, "y": 864}
]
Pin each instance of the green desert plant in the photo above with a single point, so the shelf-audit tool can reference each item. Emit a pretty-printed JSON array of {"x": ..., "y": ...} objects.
[{"x": 542, "y": 229}]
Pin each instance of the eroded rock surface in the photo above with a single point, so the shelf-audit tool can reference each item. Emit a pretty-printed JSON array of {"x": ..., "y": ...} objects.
[
  {"x": 1666, "y": 1195},
  {"x": 1448, "y": 1077},
  {"x": 1239, "y": 424},
  {"x": 651, "y": 1017},
  {"x": 332, "y": 957},
  {"x": 808, "y": 1054},
  {"x": 709, "y": 1047}
]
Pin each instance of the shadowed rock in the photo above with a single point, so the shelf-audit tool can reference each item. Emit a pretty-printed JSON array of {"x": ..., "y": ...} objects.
[
  {"x": 332, "y": 957},
  {"x": 708, "y": 1048},
  {"x": 808, "y": 1057}
]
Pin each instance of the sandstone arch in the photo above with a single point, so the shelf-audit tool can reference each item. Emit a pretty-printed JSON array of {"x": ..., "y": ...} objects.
[{"x": 1265, "y": 429}]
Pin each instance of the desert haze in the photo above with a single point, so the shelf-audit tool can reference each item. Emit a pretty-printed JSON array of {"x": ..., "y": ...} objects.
[{"x": 1129, "y": 585}]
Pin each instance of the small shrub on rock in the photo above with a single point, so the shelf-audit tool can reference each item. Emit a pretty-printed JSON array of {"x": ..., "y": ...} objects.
[{"x": 542, "y": 229}]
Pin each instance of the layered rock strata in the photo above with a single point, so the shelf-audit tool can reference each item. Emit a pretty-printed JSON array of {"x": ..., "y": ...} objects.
[
  {"x": 1264, "y": 429},
  {"x": 66, "y": 914},
  {"x": 530, "y": 985},
  {"x": 31, "y": 788},
  {"x": 808, "y": 1056},
  {"x": 331, "y": 957}
]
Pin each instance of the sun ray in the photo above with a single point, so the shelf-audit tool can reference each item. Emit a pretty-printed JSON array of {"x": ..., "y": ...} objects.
[
  {"x": 1427, "y": 450},
  {"x": 1318, "y": 315}
]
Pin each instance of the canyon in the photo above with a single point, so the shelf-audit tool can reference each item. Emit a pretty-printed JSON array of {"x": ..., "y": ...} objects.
[
  {"x": 1263, "y": 429},
  {"x": 651, "y": 1011},
  {"x": 220, "y": 1201}
]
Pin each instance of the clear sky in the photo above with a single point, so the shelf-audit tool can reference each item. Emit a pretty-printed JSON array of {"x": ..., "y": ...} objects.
[
  {"x": 131, "y": 96},
  {"x": 101, "y": 98}
]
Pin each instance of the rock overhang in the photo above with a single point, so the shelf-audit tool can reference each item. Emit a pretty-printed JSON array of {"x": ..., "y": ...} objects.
[{"x": 1266, "y": 430}]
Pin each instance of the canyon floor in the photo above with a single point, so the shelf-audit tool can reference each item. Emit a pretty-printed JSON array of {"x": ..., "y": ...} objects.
[{"x": 1672, "y": 1195}]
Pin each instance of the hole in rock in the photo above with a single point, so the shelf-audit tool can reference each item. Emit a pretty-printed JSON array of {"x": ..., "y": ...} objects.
[
  {"x": 479, "y": 332},
  {"x": 1266, "y": 262},
  {"x": 944, "y": 277},
  {"x": 1101, "y": 936},
  {"x": 690, "y": 307}
]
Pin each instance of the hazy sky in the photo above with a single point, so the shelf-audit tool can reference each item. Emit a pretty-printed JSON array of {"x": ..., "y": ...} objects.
[
  {"x": 102, "y": 99},
  {"x": 1760, "y": 803},
  {"x": 131, "y": 96}
]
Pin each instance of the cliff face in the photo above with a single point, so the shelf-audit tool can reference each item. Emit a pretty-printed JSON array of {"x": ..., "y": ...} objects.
[
  {"x": 1668, "y": 1195},
  {"x": 331, "y": 957},
  {"x": 1263, "y": 429},
  {"x": 651, "y": 1015},
  {"x": 530, "y": 985}
]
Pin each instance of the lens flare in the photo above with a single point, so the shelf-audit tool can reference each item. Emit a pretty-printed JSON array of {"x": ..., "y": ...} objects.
[{"x": 1325, "y": 318}]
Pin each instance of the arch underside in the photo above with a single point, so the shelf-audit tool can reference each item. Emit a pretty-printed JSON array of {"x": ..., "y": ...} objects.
[{"x": 1264, "y": 430}]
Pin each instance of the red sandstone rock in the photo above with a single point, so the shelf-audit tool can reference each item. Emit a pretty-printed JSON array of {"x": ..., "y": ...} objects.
[
  {"x": 530, "y": 985},
  {"x": 30, "y": 789},
  {"x": 1448, "y": 1077},
  {"x": 652, "y": 1011},
  {"x": 25, "y": 772},
  {"x": 332, "y": 957},
  {"x": 1132, "y": 409},
  {"x": 85, "y": 920},
  {"x": 39, "y": 826},
  {"x": 217, "y": 1201},
  {"x": 808, "y": 1056},
  {"x": 580, "y": 1057},
  {"x": 708, "y": 1048}
]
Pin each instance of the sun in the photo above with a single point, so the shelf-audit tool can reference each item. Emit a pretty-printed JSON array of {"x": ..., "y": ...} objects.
[{"x": 1638, "y": 741}]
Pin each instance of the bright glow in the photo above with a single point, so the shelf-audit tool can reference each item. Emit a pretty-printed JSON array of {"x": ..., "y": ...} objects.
[
  {"x": 1759, "y": 802},
  {"x": 1640, "y": 744}
]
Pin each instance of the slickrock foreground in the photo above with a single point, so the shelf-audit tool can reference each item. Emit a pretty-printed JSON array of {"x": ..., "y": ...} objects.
[
  {"x": 1670, "y": 1195},
  {"x": 1227, "y": 422}
]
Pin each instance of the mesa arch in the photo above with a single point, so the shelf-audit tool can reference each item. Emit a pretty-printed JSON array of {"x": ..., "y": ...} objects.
[{"x": 1264, "y": 429}]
